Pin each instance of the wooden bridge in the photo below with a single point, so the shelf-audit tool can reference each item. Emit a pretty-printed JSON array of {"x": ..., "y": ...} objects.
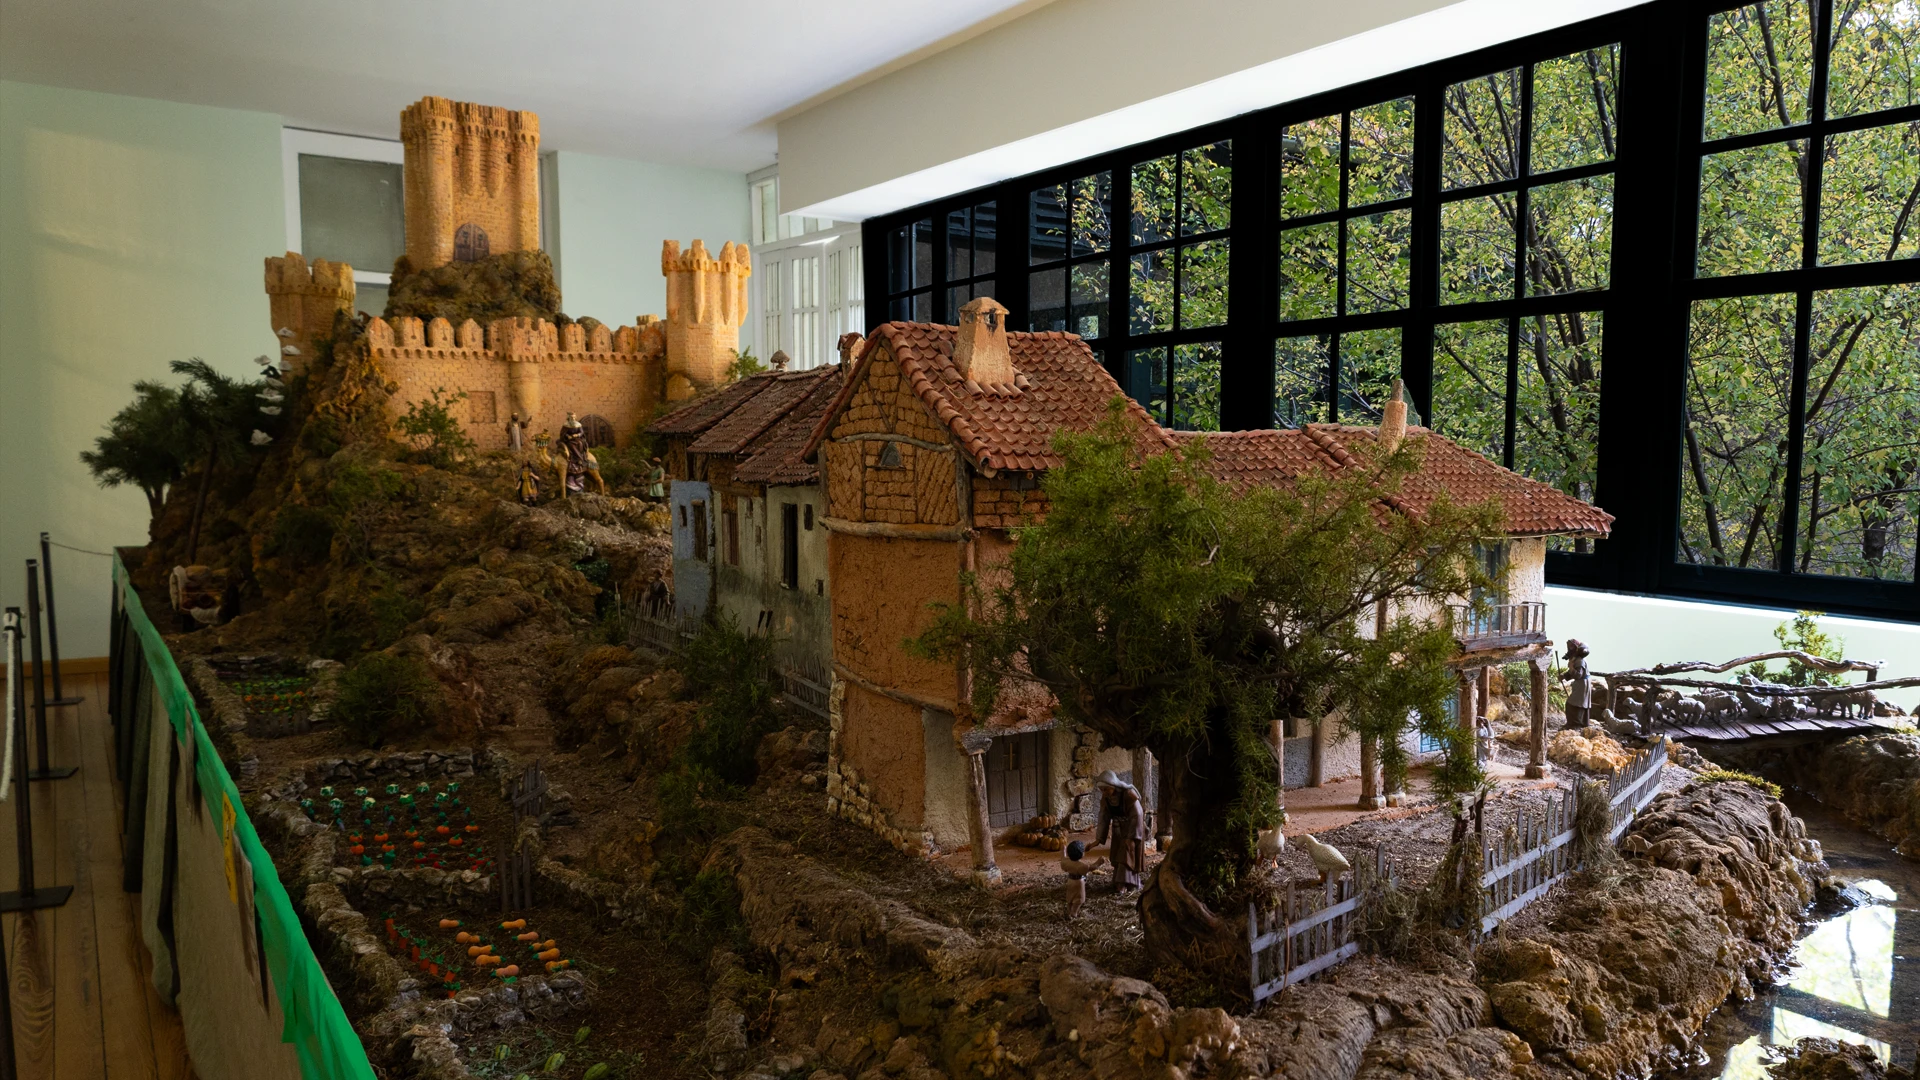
[{"x": 1656, "y": 702}]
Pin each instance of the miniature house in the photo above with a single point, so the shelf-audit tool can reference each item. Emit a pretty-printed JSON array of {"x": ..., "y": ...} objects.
[
  {"x": 932, "y": 452},
  {"x": 747, "y": 510}
]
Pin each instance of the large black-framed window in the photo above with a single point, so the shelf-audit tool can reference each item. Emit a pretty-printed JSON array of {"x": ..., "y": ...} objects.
[{"x": 1720, "y": 229}]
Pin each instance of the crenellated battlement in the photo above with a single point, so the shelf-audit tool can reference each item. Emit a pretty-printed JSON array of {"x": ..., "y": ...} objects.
[
  {"x": 303, "y": 299},
  {"x": 519, "y": 340},
  {"x": 706, "y": 304}
]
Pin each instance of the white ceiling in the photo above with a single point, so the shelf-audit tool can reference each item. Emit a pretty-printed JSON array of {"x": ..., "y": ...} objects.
[{"x": 694, "y": 82}]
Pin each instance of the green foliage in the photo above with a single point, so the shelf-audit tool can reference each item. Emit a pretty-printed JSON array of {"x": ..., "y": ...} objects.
[
  {"x": 302, "y": 534},
  {"x": 357, "y": 496},
  {"x": 1802, "y": 633},
  {"x": 730, "y": 672},
  {"x": 391, "y": 612},
  {"x": 147, "y": 444},
  {"x": 710, "y": 913},
  {"x": 1166, "y": 610},
  {"x": 384, "y": 697},
  {"x": 1731, "y": 776},
  {"x": 320, "y": 436},
  {"x": 439, "y": 438},
  {"x": 744, "y": 364}
]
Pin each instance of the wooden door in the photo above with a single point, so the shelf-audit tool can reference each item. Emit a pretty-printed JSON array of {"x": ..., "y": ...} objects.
[{"x": 1016, "y": 778}]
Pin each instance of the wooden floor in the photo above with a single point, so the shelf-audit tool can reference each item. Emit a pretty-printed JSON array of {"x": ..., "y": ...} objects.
[{"x": 82, "y": 1003}]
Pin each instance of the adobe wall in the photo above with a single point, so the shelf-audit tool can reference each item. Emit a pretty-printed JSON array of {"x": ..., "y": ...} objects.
[
  {"x": 877, "y": 768},
  {"x": 800, "y": 618},
  {"x": 1526, "y": 569},
  {"x": 692, "y": 570},
  {"x": 948, "y": 780},
  {"x": 896, "y": 580}
]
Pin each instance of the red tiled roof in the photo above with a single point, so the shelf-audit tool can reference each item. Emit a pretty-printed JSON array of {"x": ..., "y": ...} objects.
[
  {"x": 777, "y": 454},
  {"x": 739, "y": 430},
  {"x": 702, "y": 413},
  {"x": 1059, "y": 386},
  {"x": 1532, "y": 508}
]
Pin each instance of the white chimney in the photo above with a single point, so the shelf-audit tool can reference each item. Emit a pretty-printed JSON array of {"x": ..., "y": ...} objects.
[{"x": 980, "y": 352}]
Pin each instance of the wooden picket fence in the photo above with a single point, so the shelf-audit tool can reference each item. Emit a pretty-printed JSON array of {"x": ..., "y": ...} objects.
[
  {"x": 1525, "y": 865},
  {"x": 1310, "y": 933}
]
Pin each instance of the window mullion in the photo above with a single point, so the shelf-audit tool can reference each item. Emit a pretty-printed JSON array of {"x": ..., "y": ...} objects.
[
  {"x": 1423, "y": 284},
  {"x": 1789, "y": 540}
]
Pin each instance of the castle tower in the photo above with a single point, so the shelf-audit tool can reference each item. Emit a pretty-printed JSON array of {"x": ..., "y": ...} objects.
[
  {"x": 304, "y": 300},
  {"x": 472, "y": 181},
  {"x": 706, "y": 303}
]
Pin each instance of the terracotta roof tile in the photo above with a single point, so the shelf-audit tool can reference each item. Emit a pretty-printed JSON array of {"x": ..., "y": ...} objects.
[
  {"x": 777, "y": 454},
  {"x": 702, "y": 413},
  {"x": 1277, "y": 456},
  {"x": 781, "y": 391},
  {"x": 1059, "y": 386}
]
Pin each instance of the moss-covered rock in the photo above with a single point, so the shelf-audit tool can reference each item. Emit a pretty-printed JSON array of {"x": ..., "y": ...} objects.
[{"x": 510, "y": 285}]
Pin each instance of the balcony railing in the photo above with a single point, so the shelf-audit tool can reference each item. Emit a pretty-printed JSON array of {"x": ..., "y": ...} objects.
[{"x": 1500, "y": 622}]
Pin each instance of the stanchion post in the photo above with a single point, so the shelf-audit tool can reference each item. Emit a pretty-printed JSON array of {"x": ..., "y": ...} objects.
[
  {"x": 46, "y": 771},
  {"x": 53, "y": 629},
  {"x": 26, "y": 897}
]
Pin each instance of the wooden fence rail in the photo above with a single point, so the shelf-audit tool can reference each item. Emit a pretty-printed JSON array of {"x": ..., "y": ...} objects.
[{"x": 1309, "y": 933}]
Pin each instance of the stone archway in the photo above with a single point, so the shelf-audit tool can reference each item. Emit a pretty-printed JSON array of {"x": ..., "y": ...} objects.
[{"x": 470, "y": 243}]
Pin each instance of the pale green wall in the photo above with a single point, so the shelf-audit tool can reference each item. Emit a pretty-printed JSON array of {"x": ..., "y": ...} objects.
[
  {"x": 1625, "y": 631},
  {"x": 131, "y": 234},
  {"x": 613, "y": 214}
]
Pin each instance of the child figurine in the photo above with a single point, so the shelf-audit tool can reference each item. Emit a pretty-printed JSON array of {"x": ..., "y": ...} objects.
[{"x": 1075, "y": 863}]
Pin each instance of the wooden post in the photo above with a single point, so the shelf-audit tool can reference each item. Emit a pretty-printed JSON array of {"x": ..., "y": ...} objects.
[
  {"x": 1163, "y": 808},
  {"x": 979, "y": 833},
  {"x": 1316, "y": 756},
  {"x": 1370, "y": 797},
  {"x": 1143, "y": 782},
  {"x": 1465, "y": 710},
  {"x": 1537, "y": 737},
  {"x": 1277, "y": 735}
]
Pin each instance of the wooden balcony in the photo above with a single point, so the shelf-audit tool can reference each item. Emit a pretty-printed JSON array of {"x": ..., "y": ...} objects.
[{"x": 1501, "y": 626}]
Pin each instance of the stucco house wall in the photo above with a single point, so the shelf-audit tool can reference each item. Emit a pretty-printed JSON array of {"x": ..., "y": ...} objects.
[{"x": 692, "y": 570}]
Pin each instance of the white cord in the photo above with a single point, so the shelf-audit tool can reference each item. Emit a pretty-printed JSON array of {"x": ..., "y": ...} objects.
[{"x": 13, "y": 684}]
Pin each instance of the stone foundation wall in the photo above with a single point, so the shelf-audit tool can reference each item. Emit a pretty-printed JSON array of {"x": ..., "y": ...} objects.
[{"x": 850, "y": 795}]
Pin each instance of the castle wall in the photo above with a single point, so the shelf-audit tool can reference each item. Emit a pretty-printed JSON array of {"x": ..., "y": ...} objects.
[
  {"x": 474, "y": 166},
  {"x": 515, "y": 367}
]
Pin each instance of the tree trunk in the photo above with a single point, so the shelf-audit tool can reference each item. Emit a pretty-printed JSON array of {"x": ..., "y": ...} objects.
[
  {"x": 199, "y": 509},
  {"x": 1210, "y": 858}
]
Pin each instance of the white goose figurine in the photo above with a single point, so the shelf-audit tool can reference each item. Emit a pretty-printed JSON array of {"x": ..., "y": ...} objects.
[
  {"x": 1272, "y": 843},
  {"x": 1326, "y": 858}
]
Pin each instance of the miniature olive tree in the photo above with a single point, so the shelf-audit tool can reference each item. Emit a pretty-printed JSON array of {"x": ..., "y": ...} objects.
[
  {"x": 146, "y": 445},
  {"x": 1164, "y": 609}
]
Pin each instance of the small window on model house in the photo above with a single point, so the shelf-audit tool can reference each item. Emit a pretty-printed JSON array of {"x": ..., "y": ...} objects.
[
  {"x": 700, "y": 529},
  {"x": 731, "y": 519},
  {"x": 1493, "y": 561},
  {"x": 809, "y": 517},
  {"x": 890, "y": 456},
  {"x": 789, "y": 546}
]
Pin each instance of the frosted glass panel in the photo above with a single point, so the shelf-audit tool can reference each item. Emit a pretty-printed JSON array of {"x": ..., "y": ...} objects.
[{"x": 351, "y": 212}]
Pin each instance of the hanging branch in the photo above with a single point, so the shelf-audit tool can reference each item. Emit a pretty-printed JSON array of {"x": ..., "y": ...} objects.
[{"x": 1820, "y": 663}]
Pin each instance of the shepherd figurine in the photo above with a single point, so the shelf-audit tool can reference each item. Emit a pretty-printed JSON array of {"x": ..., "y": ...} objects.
[{"x": 1124, "y": 820}]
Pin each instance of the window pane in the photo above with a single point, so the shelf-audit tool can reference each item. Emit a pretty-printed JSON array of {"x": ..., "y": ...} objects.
[
  {"x": 957, "y": 298},
  {"x": 959, "y": 244},
  {"x": 1090, "y": 299},
  {"x": 1470, "y": 385},
  {"x": 985, "y": 238},
  {"x": 1734, "y": 460},
  {"x": 371, "y": 299},
  {"x": 1310, "y": 167},
  {"x": 1300, "y": 366},
  {"x": 1570, "y": 241},
  {"x": 351, "y": 212},
  {"x": 1047, "y": 299},
  {"x": 1309, "y": 271},
  {"x": 1154, "y": 199},
  {"x": 1476, "y": 249},
  {"x": 1759, "y": 67},
  {"x": 1573, "y": 109},
  {"x": 1047, "y": 224},
  {"x": 1750, "y": 204},
  {"x": 923, "y": 306},
  {"x": 1369, "y": 362},
  {"x": 1860, "y": 467},
  {"x": 1865, "y": 188},
  {"x": 1147, "y": 380},
  {"x": 1092, "y": 213},
  {"x": 1380, "y": 153},
  {"x": 1203, "y": 284},
  {"x": 1152, "y": 282},
  {"x": 1482, "y": 130},
  {"x": 1206, "y": 189},
  {"x": 1196, "y": 387},
  {"x": 1875, "y": 62},
  {"x": 1557, "y": 407},
  {"x": 1378, "y": 257}
]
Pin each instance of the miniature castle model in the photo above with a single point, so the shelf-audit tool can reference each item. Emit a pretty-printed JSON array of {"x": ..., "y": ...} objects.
[
  {"x": 472, "y": 181},
  {"x": 472, "y": 191}
]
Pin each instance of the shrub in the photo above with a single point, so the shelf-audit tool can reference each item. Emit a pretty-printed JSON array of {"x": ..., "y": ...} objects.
[
  {"x": 710, "y": 914},
  {"x": 392, "y": 612},
  {"x": 1731, "y": 776},
  {"x": 744, "y": 364},
  {"x": 730, "y": 671},
  {"x": 383, "y": 697},
  {"x": 438, "y": 436},
  {"x": 302, "y": 534}
]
